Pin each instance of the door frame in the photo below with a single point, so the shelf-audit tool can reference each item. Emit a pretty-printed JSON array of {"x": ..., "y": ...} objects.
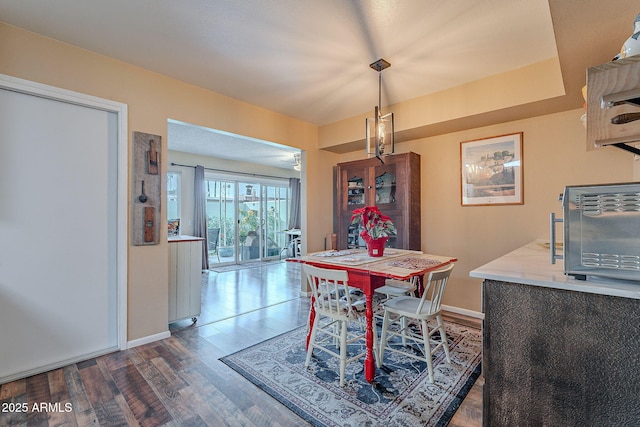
[{"x": 121, "y": 111}]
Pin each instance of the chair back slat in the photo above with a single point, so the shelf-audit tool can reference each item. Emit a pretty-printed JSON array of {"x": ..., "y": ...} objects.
[
  {"x": 434, "y": 289},
  {"x": 330, "y": 291}
]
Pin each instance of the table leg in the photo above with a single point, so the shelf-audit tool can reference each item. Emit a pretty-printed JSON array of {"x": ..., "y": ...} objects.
[
  {"x": 369, "y": 285},
  {"x": 369, "y": 359},
  {"x": 420, "y": 288}
]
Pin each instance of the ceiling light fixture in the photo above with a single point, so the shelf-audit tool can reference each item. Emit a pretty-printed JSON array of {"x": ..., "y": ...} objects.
[
  {"x": 296, "y": 162},
  {"x": 379, "y": 135}
]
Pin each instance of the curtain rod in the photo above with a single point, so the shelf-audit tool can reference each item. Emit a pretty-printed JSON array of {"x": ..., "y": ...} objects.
[{"x": 232, "y": 172}]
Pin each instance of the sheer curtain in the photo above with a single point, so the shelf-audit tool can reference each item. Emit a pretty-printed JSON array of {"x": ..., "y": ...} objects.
[
  {"x": 294, "y": 207},
  {"x": 200, "y": 214}
]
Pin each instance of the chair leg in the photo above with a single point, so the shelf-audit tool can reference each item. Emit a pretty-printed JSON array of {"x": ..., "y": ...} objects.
[
  {"x": 343, "y": 351},
  {"x": 403, "y": 326},
  {"x": 312, "y": 340},
  {"x": 383, "y": 339},
  {"x": 376, "y": 342},
  {"x": 427, "y": 348},
  {"x": 443, "y": 336}
]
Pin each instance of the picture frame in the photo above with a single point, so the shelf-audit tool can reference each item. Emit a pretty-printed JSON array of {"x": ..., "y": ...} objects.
[
  {"x": 491, "y": 171},
  {"x": 173, "y": 227}
]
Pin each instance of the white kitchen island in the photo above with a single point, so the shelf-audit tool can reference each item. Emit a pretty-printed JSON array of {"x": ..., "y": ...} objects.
[
  {"x": 185, "y": 277},
  {"x": 558, "y": 351}
]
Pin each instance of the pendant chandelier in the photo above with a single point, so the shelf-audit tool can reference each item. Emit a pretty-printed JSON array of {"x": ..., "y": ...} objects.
[{"x": 379, "y": 134}]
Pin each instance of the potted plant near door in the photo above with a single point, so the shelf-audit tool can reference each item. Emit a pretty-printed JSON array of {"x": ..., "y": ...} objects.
[
  {"x": 376, "y": 228},
  {"x": 227, "y": 233}
]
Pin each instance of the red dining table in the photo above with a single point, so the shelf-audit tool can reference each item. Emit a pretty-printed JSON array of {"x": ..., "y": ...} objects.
[{"x": 368, "y": 273}]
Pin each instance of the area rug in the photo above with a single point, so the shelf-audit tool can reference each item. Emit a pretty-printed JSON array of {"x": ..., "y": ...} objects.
[{"x": 401, "y": 394}]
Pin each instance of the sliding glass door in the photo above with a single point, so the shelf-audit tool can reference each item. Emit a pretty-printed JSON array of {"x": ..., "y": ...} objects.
[
  {"x": 245, "y": 218},
  {"x": 275, "y": 208},
  {"x": 221, "y": 220},
  {"x": 249, "y": 221}
]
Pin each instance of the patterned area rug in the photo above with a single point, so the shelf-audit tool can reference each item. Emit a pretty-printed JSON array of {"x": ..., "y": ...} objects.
[{"x": 401, "y": 394}]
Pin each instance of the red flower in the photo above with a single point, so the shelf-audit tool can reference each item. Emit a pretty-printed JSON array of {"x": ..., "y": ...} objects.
[{"x": 375, "y": 225}]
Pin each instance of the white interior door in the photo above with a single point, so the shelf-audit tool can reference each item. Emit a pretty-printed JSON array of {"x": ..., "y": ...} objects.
[{"x": 60, "y": 233}]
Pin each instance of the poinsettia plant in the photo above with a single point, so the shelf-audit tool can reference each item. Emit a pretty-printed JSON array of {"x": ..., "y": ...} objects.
[{"x": 375, "y": 224}]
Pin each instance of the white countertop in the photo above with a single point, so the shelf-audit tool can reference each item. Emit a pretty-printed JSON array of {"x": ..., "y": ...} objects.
[
  {"x": 531, "y": 265},
  {"x": 184, "y": 238}
]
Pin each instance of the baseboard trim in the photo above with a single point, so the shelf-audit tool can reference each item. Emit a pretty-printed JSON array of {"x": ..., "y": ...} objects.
[
  {"x": 475, "y": 314},
  {"x": 148, "y": 339}
]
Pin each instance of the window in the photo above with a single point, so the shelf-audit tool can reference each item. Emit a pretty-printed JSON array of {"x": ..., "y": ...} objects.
[{"x": 173, "y": 195}]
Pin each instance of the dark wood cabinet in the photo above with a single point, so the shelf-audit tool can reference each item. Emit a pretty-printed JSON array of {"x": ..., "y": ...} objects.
[{"x": 392, "y": 186}]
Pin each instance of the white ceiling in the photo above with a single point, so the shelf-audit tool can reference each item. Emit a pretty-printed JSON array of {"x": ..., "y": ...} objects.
[
  {"x": 214, "y": 143},
  {"x": 307, "y": 59}
]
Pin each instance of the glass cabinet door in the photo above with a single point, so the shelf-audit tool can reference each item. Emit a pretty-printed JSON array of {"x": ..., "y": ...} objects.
[
  {"x": 385, "y": 185},
  {"x": 396, "y": 240},
  {"x": 356, "y": 190},
  {"x": 353, "y": 236}
]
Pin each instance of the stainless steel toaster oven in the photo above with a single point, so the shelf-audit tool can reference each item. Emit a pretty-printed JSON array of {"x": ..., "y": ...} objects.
[{"x": 601, "y": 228}]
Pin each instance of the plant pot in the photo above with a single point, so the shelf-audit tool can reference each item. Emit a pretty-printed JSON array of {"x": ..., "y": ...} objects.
[
  {"x": 226, "y": 251},
  {"x": 375, "y": 247}
]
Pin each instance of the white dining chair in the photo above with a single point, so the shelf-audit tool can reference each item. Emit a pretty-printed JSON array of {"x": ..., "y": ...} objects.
[
  {"x": 396, "y": 288},
  {"x": 337, "y": 323},
  {"x": 401, "y": 314},
  {"x": 393, "y": 288}
]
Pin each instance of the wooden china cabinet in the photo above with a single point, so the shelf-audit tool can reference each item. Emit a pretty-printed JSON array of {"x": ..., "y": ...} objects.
[{"x": 392, "y": 186}]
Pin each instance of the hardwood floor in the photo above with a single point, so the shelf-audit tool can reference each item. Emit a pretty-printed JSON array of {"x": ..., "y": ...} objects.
[{"x": 179, "y": 381}]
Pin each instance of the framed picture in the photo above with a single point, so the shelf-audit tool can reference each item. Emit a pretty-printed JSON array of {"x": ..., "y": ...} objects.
[
  {"x": 174, "y": 227},
  {"x": 491, "y": 171}
]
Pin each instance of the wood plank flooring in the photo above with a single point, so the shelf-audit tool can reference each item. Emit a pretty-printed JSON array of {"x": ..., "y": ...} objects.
[{"x": 179, "y": 381}]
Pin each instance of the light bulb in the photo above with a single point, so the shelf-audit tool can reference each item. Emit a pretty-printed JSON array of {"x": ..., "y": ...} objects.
[{"x": 381, "y": 130}]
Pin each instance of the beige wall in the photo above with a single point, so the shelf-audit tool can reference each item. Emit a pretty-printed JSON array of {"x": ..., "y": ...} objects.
[
  {"x": 554, "y": 155},
  {"x": 152, "y": 99},
  {"x": 494, "y": 93}
]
